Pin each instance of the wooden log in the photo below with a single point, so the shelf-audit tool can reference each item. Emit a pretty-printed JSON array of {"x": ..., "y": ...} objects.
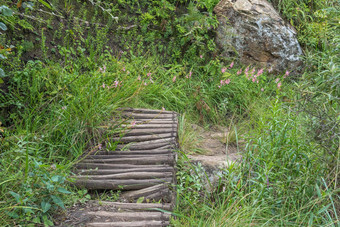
[
  {"x": 147, "y": 111},
  {"x": 135, "y": 161},
  {"x": 144, "y": 192},
  {"x": 115, "y": 166},
  {"x": 147, "y": 145},
  {"x": 118, "y": 184},
  {"x": 130, "y": 139},
  {"x": 129, "y": 224},
  {"x": 130, "y": 175},
  {"x": 150, "y": 126},
  {"x": 149, "y": 116},
  {"x": 117, "y": 156},
  {"x": 153, "y": 121},
  {"x": 136, "y": 206},
  {"x": 133, "y": 152},
  {"x": 130, "y": 216},
  {"x": 149, "y": 131},
  {"x": 156, "y": 196},
  {"x": 117, "y": 171}
]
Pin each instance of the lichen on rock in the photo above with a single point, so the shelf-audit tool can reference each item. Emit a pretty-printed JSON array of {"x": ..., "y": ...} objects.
[{"x": 257, "y": 33}]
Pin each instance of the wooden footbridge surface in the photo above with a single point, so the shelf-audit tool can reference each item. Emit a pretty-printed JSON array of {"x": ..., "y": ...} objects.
[{"x": 142, "y": 167}]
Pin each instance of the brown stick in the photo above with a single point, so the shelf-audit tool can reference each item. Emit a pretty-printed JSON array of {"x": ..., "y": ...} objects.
[
  {"x": 131, "y": 175},
  {"x": 136, "y": 161},
  {"x": 151, "y": 126},
  {"x": 117, "y": 171},
  {"x": 144, "y": 192},
  {"x": 129, "y": 224},
  {"x": 149, "y": 131},
  {"x": 131, "y": 216},
  {"x": 133, "y": 152},
  {"x": 137, "y": 206},
  {"x": 130, "y": 139},
  {"x": 117, "y": 156},
  {"x": 115, "y": 166},
  {"x": 119, "y": 184}
]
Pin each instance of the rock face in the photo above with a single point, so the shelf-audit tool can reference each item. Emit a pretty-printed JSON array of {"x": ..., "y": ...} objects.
[{"x": 258, "y": 34}]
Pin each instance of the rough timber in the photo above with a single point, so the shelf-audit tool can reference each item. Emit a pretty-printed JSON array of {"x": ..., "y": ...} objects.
[{"x": 142, "y": 167}]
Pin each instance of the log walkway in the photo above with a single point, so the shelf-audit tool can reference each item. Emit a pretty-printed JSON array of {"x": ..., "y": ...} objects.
[{"x": 142, "y": 167}]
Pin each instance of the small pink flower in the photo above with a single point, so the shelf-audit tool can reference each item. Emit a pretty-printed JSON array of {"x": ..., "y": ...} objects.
[
  {"x": 279, "y": 85},
  {"x": 104, "y": 68},
  {"x": 252, "y": 72},
  {"x": 201, "y": 56},
  {"x": 277, "y": 80},
  {"x": 174, "y": 79},
  {"x": 163, "y": 109},
  {"x": 64, "y": 107},
  {"x": 103, "y": 85},
  {"x": 287, "y": 73},
  {"x": 139, "y": 78},
  {"x": 223, "y": 70},
  {"x": 254, "y": 78},
  {"x": 222, "y": 82},
  {"x": 227, "y": 81},
  {"x": 231, "y": 65},
  {"x": 239, "y": 72},
  {"x": 247, "y": 69},
  {"x": 190, "y": 73},
  {"x": 128, "y": 72},
  {"x": 270, "y": 69},
  {"x": 219, "y": 86},
  {"x": 149, "y": 74},
  {"x": 115, "y": 84},
  {"x": 124, "y": 69},
  {"x": 260, "y": 72},
  {"x": 100, "y": 146},
  {"x": 257, "y": 81},
  {"x": 145, "y": 83},
  {"x": 151, "y": 81},
  {"x": 133, "y": 123},
  {"x": 262, "y": 89}
]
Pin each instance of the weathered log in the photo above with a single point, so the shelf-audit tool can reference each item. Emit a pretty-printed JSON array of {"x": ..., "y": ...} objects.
[
  {"x": 150, "y": 126},
  {"x": 119, "y": 184},
  {"x": 148, "y": 131},
  {"x": 131, "y": 175},
  {"x": 131, "y": 216},
  {"x": 147, "y": 111},
  {"x": 130, "y": 139},
  {"x": 117, "y": 156},
  {"x": 115, "y": 166},
  {"x": 162, "y": 194},
  {"x": 153, "y": 121},
  {"x": 145, "y": 191},
  {"x": 117, "y": 171},
  {"x": 133, "y": 152},
  {"x": 136, "y": 206},
  {"x": 136, "y": 161},
  {"x": 129, "y": 224}
]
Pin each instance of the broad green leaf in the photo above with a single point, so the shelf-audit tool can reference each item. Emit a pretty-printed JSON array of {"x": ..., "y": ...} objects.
[
  {"x": 3, "y": 26},
  {"x": 63, "y": 190},
  {"x": 6, "y": 11},
  {"x": 55, "y": 178},
  {"x": 45, "y": 206},
  {"x": 1, "y": 81},
  {"x": 58, "y": 201},
  {"x": 45, "y": 4},
  {"x": 140, "y": 200},
  {"x": 16, "y": 196}
]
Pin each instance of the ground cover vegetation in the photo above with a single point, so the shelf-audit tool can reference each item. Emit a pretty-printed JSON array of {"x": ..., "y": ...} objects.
[{"x": 66, "y": 66}]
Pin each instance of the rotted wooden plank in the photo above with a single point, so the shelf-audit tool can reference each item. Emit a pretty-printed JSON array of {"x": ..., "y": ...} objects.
[
  {"x": 130, "y": 175},
  {"x": 117, "y": 171}
]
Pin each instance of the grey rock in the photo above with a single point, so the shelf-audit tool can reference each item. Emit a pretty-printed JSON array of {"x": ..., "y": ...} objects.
[{"x": 257, "y": 33}]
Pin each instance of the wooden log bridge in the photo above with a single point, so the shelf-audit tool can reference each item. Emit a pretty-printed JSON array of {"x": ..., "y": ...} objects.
[{"x": 142, "y": 167}]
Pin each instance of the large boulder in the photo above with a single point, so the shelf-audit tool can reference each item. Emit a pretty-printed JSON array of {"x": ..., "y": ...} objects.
[{"x": 257, "y": 33}]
